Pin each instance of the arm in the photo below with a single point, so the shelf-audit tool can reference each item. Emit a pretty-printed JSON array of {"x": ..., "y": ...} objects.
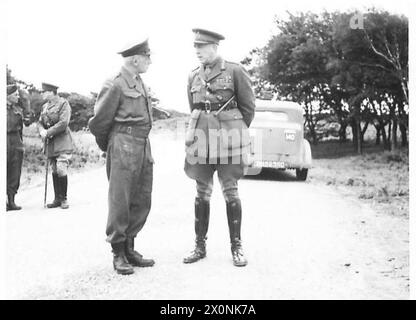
[
  {"x": 244, "y": 94},
  {"x": 188, "y": 90},
  {"x": 25, "y": 104},
  {"x": 62, "y": 124},
  {"x": 40, "y": 124},
  {"x": 105, "y": 109}
]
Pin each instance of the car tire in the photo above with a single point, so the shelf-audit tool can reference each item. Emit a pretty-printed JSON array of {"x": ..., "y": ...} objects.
[{"x": 301, "y": 174}]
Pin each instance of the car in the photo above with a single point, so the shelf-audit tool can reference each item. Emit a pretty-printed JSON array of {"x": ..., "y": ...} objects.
[{"x": 276, "y": 139}]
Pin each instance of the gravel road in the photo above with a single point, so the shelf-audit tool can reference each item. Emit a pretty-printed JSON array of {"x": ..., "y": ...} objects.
[{"x": 302, "y": 242}]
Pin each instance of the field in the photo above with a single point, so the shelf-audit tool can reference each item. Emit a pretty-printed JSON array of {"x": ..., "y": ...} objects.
[{"x": 380, "y": 178}]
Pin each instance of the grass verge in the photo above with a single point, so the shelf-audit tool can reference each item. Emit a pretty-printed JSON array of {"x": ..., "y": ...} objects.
[{"x": 377, "y": 177}]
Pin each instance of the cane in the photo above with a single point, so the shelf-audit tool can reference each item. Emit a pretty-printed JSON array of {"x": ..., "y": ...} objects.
[{"x": 46, "y": 173}]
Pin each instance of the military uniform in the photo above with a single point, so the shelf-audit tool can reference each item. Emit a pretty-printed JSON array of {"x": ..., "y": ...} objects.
[
  {"x": 15, "y": 119},
  {"x": 121, "y": 124},
  {"x": 222, "y": 107},
  {"x": 54, "y": 118}
]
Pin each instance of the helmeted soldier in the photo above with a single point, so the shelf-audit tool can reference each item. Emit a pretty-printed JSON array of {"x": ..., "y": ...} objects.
[
  {"x": 54, "y": 131},
  {"x": 121, "y": 124},
  {"x": 222, "y": 106},
  {"x": 16, "y": 117}
]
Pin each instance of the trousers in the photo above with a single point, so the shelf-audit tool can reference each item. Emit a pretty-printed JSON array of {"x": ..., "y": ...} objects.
[
  {"x": 14, "y": 161},
  {"x": 130, "y": 174},
  {"x": 60, "y": 164}
]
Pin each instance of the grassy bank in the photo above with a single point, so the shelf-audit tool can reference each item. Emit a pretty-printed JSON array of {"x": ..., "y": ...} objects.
[
  {"x": 378, "y": 177},
  {"x": 86, "y": 155}
]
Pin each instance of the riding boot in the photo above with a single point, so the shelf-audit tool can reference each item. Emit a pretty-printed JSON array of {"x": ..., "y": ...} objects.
[
  {"x": 63, "y": 185},
  {"x": 234, "y": 225},
  {"x": 10, "y": 203},
  {"x": 201, "y": 228},
  {"x": 57, "y": 190},
  {"x": 120, "y": 262},
  {"x": 135, "y": 258}
]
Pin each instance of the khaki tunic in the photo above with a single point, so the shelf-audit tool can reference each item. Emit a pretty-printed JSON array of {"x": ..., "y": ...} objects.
[
  {"x": 55, "y": 117},
  {"x": 14, "y": 147},
  {"x": 222, "y": 138},
  {"x": 121, "y": 124}
]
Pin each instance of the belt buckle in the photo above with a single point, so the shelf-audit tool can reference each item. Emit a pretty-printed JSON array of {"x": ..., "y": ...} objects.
[
  {"x": 208, "y": 106},
  {"x": 129, "y": 130}
]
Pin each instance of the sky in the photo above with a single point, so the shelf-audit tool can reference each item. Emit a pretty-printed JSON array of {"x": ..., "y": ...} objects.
[{"x": 73, "y": 44}]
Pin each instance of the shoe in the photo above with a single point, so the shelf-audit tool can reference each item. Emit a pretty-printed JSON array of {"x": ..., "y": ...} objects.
[
  {"x": 120, "y": 263},
  {"x": 202, "y": 211},
  {"x": 135, "y": 258},
  {"x": 234, "y": 226}
]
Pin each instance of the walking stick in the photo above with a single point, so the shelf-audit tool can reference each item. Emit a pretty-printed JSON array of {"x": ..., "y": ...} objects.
[{"x": 46, "y": 173}]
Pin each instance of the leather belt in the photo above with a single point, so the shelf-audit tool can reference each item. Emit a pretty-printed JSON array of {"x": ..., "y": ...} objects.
[
  {"x": 138, "y": 131},
  {"x": 209, "y": 106}
]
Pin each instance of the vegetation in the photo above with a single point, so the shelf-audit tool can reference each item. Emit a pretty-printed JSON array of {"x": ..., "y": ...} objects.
[
  {"x": 353, "y": 76},
  {"x": 378, "y": 177},
  {"x": 82, "y": 106}
]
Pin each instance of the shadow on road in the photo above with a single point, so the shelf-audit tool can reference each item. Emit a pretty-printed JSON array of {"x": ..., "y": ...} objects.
[{"x": 273, "y": 175}]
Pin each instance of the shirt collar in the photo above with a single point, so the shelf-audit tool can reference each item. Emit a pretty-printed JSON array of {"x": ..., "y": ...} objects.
[
  {"x": 213, "y": 63},
  {"x": 130, "y": 77}
]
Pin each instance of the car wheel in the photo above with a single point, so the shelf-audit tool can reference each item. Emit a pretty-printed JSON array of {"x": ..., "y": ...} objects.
[{"x": 301, "y": 174}]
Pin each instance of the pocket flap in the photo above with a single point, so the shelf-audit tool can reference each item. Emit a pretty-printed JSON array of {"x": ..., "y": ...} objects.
[
  {"x": 233, "y": 114},
  {"x": 132, "y": 93}
]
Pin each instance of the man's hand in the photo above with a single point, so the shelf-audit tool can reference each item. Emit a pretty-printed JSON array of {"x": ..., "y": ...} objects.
[{"x": 43, "y": 133}]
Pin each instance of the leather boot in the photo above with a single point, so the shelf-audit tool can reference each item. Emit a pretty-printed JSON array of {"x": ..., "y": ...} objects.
[
  {"x": 10, "y": 203},
  {"x": 135, "y": 258},
  {"x": 63, "y": 186},
  {"x": 201, "y": 228},
  {"x": 56, "y": 188},
  {"x": 234, "y": 225},
  {"x": 120, "y": 262}
]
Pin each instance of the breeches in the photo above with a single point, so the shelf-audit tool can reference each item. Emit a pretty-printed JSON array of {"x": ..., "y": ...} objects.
[
  {"x": 60, "y": 164},
  {"x": 228, "y": 176}
]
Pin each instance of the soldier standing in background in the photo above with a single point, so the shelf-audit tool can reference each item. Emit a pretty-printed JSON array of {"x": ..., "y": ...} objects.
[
  {"x": 15, "y": 118},
  {"x": 54, "y": 131},
  {"x": 121, "y": 124},
  {"x": 222, "y": 104}
]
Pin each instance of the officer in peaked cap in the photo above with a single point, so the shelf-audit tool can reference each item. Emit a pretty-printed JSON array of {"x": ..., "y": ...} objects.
[
  {"x": 131, "y": 49},
  {"x": 121, "y": 124},
  {"x": 203, "y": 36},
  {"x": 49, "y": 87},
  {"x": 222, "y": 102},
  {"x": 54, "y": 131}
]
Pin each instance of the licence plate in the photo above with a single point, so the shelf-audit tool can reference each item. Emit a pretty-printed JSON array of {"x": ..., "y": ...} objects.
[{"x": 269, "y": 164}]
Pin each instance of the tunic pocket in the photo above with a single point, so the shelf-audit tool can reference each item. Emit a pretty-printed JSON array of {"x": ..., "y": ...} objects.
[
  {"x": 127, "y": 152},
  {"x": 234, "y": 131}
]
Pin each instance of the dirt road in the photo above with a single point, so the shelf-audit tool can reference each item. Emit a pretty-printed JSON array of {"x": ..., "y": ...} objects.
[{"x": 301, "y": 241}]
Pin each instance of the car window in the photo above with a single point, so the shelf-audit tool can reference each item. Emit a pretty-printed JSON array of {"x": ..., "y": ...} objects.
[{"x": 269, "y": 118}]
